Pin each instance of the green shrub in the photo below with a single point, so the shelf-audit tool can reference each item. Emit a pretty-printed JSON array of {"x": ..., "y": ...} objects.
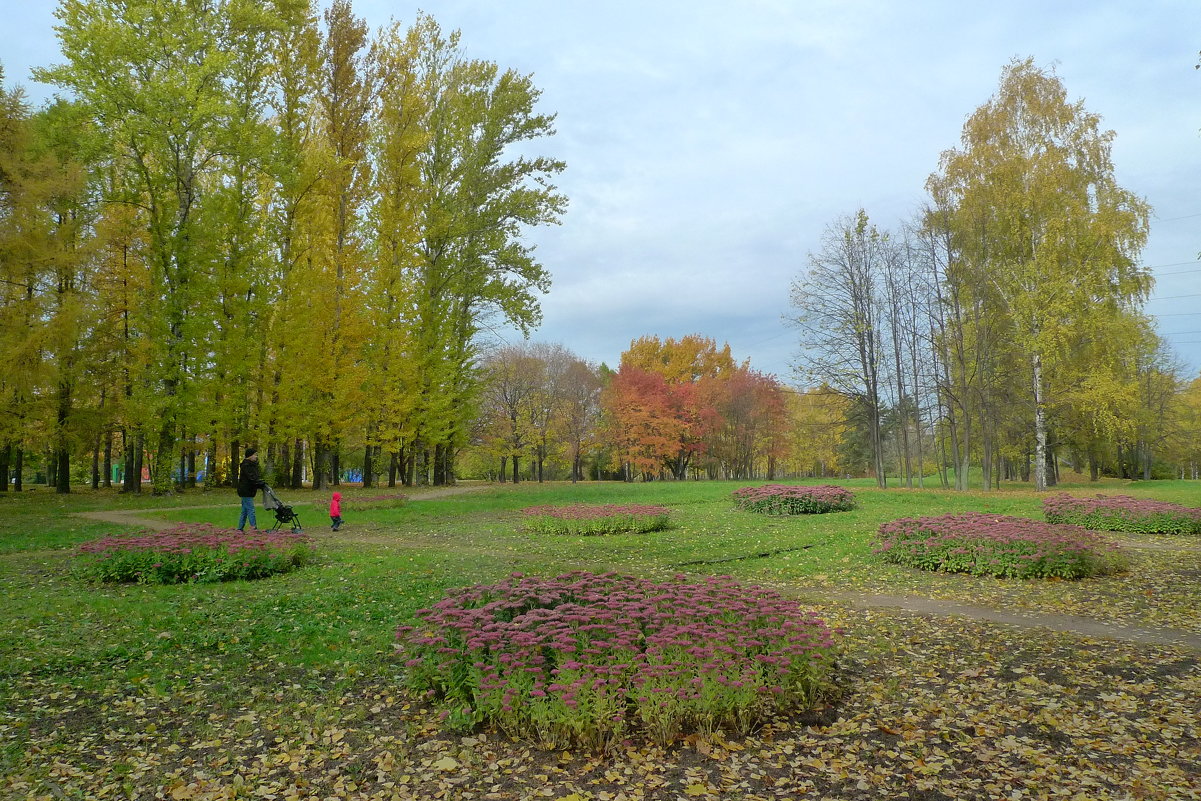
[
  {"x": 586, "y": 520},
  {"x": 1123, "y": 513},
  {"x": 782, "y": 499},
  {"x": 587, "y": 659},
  {"x": 192, "y": 552},
  {"x": 997, "y": 545}
]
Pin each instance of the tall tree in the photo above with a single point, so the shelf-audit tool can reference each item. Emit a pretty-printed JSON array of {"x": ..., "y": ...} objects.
[
  {"x": 398, "y": 140},
  {"x": 154, "y": 76},
  {"x": 840, "y": 316},
  {"x": 692, "y": 368},
  {"x": 641, "y": 422},
  {"x": 477, "y": 200},
  {"x": 1041, "y": 225},
  {"x": 24, "y": 371},
  {"x": 579, "y": 418}
]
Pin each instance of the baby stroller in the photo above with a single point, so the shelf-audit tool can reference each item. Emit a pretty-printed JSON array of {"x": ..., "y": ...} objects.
[{"x": 283, "y": 512}]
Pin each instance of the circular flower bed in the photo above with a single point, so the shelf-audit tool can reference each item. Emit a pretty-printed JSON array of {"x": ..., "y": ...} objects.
[
  {"x": 781, "y": 499},
  {"x": 997, "y": 545},
  {"x": 587, "y": 659},
  {"x": 198, "y": 552},
  {"x": 1123, "y": 513},
  {"x": 585, "y": 519}
]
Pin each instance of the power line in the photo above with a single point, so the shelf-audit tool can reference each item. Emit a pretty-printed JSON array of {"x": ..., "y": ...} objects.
[
  {"x": 1177, "y": 297},
  {"x": 1183, "y": 217},
  {"x": 1169, "y": 264}
]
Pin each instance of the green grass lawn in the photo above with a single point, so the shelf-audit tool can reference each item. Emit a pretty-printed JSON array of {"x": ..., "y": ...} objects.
[{"x": 314, "y": 648}]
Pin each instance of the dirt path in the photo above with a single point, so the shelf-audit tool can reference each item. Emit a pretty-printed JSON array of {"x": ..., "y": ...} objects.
[
  {"x": 137, "y": 519},
  {"x": 1159, "y": 546},
  {"x": 1070, "y": 624}
]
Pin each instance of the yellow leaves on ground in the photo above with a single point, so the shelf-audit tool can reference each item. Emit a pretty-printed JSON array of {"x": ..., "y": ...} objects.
[{"x": 945, "y": 708}]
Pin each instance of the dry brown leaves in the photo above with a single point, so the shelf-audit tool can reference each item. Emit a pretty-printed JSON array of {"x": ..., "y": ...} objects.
[{"x": 934, "y": 709}]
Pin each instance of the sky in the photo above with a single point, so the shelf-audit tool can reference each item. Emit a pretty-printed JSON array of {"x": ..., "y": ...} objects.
[{"x": 710, "y": 143}]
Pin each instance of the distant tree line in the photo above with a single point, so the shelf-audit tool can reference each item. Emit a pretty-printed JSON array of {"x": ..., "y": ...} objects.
[
  {"x": 674, "y": 409},
  {"x": 259, "y": 223}
]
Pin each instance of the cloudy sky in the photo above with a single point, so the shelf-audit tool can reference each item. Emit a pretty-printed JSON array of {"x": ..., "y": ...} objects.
[{"x": 709, "y": 143}]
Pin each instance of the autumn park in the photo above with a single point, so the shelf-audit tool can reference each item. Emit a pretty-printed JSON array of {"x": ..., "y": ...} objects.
[{"x": 264, "y": 249}]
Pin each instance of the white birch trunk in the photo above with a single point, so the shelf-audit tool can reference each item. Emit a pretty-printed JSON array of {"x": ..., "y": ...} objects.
[{"x": 1040, "y": 428}]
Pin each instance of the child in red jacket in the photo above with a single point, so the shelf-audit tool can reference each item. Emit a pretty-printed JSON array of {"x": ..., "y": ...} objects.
[{"x": 335, "y": 511}]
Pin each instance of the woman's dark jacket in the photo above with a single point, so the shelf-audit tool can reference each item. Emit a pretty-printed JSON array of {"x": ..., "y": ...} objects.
[{"x": 250, "y": 479}]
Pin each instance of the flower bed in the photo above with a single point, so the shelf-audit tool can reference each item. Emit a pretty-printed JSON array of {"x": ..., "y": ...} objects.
[
  {"x": 583, "y": 519},
  {"x": 587, "y": 659},
  {"x": 997, "y": 545},
  {"x": 1123, "y": 513},
  {"x": 193, "y": 552},
  {"x": 781, "y": 499}
]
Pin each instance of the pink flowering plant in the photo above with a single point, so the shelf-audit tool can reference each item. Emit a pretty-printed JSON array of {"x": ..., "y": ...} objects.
[
  {"x": 585, "y": 519},
  {"x": 781, "y": 499},
  {"x": 192, "y": 552},
  {"x": 1123, "y": 513},
  {"x": 588, "y": 659},
  {"x": 997, "y": 545}
]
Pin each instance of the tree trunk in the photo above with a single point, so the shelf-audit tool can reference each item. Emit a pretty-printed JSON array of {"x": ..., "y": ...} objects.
[
  {"x": 442, "y": 465},
  {"x": 421, "y": 466},
  {"x": 5, "y": 461},
  {"x": 212, "y": 474},
  {"x": 62, "y": 454},
  {"x": 183, "y": 466},
  {"x": 516, "y": 471},
  {"x": 320, "y": 463},
  {"x": 235, "y": 462},
  {"x": 369, "y": 466},
  {"x": 298, "y": 462},
  {"x": 192, "y": 466},
  {"x": 126, "y": 460},
  {"x": 161, "y": 479},
  {"x": 408, "y": 467},
  {"x": 1040, "y": 428},
  {"x": 96, "y": 463},
  {"x": 392, "y": 469}
]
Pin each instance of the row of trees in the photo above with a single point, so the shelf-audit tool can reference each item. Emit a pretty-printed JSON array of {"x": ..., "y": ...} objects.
[
  {"x": 255, "y": 222},
  {"x": 1004, "y": 326},
  {"x": 673, "y": 409}
]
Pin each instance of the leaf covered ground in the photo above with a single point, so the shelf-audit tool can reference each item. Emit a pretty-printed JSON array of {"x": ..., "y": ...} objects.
[{"x": 933, "y": 709}]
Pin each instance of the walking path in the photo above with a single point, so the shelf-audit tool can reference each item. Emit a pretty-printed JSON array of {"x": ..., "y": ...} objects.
[
  {"x": 139, "y": 518},
  {"x": 1069, "y": 624}
]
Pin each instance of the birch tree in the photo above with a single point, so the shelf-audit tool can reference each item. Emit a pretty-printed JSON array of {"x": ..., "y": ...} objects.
[
  {"x": 838, "y": 303},
  {"x": 1040, "y": 221}
]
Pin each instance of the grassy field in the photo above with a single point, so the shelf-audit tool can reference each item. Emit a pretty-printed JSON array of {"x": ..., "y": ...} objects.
[{"x": 289, "y": 685}]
